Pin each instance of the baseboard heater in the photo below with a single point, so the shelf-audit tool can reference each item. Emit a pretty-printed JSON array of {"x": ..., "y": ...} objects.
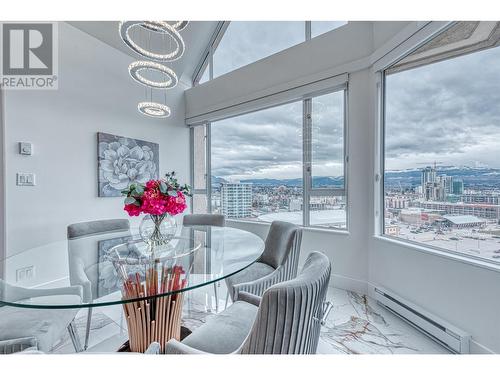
[{"x": 453, "y": 338}]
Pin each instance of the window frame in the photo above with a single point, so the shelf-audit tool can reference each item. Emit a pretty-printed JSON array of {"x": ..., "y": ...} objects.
[
  {"x": 307, "y": 159},
  {"x": 307, "y": 190},
  {"x": 206, "y": 60},
  {"x": 436, "y": 28}
]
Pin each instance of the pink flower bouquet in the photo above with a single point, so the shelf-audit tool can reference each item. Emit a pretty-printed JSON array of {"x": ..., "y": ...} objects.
[{"x": 157, "y": 197}]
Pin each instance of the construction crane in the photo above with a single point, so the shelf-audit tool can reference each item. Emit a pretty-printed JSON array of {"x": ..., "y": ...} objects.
[{"x": 435, "y": 163}]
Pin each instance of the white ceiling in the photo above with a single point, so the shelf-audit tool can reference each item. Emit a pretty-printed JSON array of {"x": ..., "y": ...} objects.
[{"x": 196, "y": 36}]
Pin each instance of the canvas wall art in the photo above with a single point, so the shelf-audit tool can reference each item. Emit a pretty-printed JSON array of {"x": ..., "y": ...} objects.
[{"x": 123, "y": 160}]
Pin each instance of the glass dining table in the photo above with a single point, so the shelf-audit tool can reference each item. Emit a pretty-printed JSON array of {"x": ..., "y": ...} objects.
[{"x": 149, "y": 281}]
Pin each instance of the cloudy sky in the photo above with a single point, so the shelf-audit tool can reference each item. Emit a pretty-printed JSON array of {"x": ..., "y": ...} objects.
[
  {"x": 268, "y": 143},
  {"x": 447, "y": 112}
]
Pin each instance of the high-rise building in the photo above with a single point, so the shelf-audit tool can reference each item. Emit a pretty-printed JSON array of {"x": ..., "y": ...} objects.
[
  {"x": 429, "y": 183},
  {"x": 448, "y": 184},
  {"x": 443, "y": 187},
  {"x": 435, "y": 188},
  {"x": 458, "y": 187},
  {"x": 236, "y": 200},
  {"x": 428, "y": 175}
]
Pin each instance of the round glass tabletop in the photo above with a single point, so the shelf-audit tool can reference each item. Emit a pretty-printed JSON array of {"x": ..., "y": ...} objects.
[{"x": 118, "y": 267}]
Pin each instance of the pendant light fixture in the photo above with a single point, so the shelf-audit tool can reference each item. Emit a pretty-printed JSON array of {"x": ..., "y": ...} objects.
[
  {"x": 136, "y": 67},
  {"x": 155, "y": 26},
  {"x": 168, "y": 80}
]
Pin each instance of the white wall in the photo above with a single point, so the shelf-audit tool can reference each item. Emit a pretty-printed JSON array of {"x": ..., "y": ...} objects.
[
  {"x": 459, "y": 292},
  {"x": 95, "y": 94},
  {"x": 463, "y": 294},
  {"x": 2, "y": 185}
]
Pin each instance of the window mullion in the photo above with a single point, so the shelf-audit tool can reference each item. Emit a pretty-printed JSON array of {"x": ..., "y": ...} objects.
[
  {"x": 306, "y": 160},
  {"x": 208, "y": 145},
  {"x": 191, "y": 166},
  {"x": 211, "y": 63}
]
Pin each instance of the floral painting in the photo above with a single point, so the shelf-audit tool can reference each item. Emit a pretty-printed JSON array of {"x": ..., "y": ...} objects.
[{"x": 123, "y": 161}]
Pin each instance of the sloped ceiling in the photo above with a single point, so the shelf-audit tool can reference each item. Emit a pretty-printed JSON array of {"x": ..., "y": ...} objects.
[{"x": 196, "y": 36}]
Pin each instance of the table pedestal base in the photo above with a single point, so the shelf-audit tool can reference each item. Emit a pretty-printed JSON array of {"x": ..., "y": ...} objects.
[{"x": 158, "y": 319}]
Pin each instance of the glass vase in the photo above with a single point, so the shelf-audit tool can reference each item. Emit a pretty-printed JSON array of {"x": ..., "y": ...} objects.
[{"x": 157, "y": 230}]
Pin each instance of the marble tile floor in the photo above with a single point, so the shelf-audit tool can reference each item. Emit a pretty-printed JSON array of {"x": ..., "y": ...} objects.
[{"x": 356, "y": 325}]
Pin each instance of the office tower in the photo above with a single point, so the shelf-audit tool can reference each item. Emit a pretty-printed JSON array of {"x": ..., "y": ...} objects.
[
  {"x": 448, "y": 184},
  {"x": 458, "y": 187}
]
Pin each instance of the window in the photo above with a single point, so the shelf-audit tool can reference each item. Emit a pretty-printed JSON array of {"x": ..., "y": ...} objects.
[
  {"x": 327, "y": 202},
  {"x": 205, "y": 77},
  {"x": 321, "y": 27},
  {"x": 442, "y": 170},
  {"x": 247, "y": 41},
  {"x": 239, "y": 43},
  {"x": 266, "y": 164},
  {"x": 257, "y": 165}
]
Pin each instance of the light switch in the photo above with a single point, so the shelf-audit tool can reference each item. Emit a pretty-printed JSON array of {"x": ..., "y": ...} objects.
[
  {"x": 25, "y": 179},
  {"x": 25, "y": 273},
  {"x": 25, "y": 148}
]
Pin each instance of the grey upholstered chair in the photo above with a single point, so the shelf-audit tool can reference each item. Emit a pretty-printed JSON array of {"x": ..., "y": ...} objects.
[
  {"x": 204, "y": 219},
  {"x": 18, "y": 345},
  {"x": 21, "y": 328},
  {"x": 286, "y": 320},
  {"x": 83, "y": 256},
  {"x": 278, "y": 262}
]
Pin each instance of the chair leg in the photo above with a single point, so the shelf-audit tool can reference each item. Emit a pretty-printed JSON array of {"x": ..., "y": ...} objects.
[
  {"x": 87, "y": 329},
  {"x": 216, "y": 298},
  {"x": 73, "y": 334}
]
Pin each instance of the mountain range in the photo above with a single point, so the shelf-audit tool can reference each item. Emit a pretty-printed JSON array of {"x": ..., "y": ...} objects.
[
  {"x": 290, "y": 182},
  {"x": 469, "y": 175},
  {"x": 406, "y": 178}
]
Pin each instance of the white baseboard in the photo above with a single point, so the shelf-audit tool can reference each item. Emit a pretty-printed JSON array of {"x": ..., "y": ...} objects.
[
  {"x": 477, "y": 348},
  {"x": 348, "y": 283}
]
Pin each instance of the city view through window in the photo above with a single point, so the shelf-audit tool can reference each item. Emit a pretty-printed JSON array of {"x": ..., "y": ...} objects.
[
  {"x": 442, "y": 155},
  {"x": 257, "y": 164}
]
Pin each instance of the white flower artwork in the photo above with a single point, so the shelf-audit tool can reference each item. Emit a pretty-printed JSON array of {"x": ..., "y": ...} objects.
[{"x": 123, "y": 161}]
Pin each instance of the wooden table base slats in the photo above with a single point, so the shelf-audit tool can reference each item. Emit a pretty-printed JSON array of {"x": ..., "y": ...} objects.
[{"x": 156, "y": 318}]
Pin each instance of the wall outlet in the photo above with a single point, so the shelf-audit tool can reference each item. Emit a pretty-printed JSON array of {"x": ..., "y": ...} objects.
[
  {"x": 25, "y": 273},
  {"x": 25, "y": 148},
  {"x": 25, "y": 179}
]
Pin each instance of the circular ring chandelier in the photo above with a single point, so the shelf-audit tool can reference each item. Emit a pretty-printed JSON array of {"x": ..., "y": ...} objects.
[
  {"x": 135, "y": 68},
  {"x": 153, "y": 109},
  {"x": 178, "y": 25},
  {"x": 160, "y": 26}
]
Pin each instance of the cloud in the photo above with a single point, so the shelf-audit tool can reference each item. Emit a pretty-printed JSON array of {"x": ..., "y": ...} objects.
[
  {"x": 448, "y": 111},
  {"x": 268, "y": 143},
  {"x": 249, "y": 41}
]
